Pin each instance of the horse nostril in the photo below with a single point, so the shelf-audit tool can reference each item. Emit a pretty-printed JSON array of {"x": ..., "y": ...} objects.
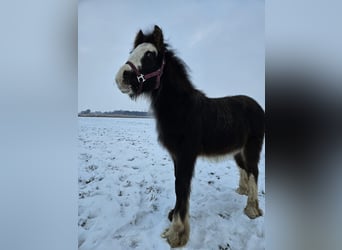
[{"x": 125, "y": 75}]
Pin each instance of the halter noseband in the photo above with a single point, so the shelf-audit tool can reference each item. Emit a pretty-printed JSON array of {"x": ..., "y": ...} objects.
[{"x": 142, "y": 78}]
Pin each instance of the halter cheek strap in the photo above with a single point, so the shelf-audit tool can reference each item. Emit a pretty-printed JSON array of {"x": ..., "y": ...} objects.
[{"x": 142, "y": 78}]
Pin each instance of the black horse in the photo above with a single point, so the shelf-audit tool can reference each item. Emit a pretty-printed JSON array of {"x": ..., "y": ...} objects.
[{"x": 190, "y": 124}]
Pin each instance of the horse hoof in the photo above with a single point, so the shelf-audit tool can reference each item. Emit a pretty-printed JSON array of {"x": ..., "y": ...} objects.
[
  {"x": 174, "y": 238},
  {"x": 242, "y": 191},
  {"x": 253, "y": 211},
  {"x": 177, "y": 235}
]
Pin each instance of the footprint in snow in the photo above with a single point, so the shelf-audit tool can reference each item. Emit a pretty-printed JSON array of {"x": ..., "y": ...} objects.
[{"x": 91, "y": 168}]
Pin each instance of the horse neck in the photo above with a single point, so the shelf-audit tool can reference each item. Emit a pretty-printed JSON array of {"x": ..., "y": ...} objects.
[
  {"x": 175, "y": 87},
  {"x": 175, "y": 78}
]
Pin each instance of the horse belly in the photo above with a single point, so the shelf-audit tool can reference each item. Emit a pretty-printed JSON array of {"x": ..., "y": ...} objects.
[{"x": 218, "y": 144}]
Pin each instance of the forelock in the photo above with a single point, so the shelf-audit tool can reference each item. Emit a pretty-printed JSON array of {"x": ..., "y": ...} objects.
[{"x": 139, "y": 52}]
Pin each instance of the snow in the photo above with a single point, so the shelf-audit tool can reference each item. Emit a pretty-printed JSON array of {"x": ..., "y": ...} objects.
[{"x": 126, "y": 189}]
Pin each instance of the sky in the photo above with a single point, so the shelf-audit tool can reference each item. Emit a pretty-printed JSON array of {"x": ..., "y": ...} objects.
[{"x": 222, "y": 42}]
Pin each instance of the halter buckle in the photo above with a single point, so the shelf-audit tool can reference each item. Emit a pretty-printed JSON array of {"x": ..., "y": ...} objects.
[{"x": 141, "y": 78}]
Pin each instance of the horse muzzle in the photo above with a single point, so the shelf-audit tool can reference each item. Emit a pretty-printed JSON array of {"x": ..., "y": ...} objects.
[{"x": 122, "y": 79}]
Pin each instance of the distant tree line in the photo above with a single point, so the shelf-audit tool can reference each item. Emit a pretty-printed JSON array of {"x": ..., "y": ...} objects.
[{"x": 115, "y": 113}]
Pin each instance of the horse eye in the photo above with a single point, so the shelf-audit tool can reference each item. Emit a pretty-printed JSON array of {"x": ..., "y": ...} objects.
[{"x": 149, "y": 54}]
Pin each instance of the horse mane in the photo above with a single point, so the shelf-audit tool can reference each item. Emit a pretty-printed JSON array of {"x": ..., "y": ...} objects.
[
  {"x": 176, "y": 78},
  {"x": 181, "y": 67}
]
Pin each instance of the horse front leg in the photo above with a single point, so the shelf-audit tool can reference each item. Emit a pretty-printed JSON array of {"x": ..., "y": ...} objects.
[
  {"x": 177, "y": 234},
  {"x": 170, "y": 215}
]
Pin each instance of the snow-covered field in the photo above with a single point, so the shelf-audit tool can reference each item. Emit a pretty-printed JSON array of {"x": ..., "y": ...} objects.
[{"x": 126, "y": 189}]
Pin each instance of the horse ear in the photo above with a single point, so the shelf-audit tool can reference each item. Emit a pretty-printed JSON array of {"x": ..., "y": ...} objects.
[
  {"x": 158, "y": 37},
  {"x": 139, "y": 38}
]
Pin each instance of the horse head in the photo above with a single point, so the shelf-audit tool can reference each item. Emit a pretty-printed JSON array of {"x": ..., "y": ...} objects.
[{"x": 144, "y": 67}]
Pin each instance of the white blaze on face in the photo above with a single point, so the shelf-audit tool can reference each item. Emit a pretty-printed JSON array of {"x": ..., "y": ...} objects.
[{"x": 135, "y": 58}]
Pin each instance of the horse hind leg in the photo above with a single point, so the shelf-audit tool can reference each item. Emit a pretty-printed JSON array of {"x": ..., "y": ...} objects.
[
  {"x": 252, "y": 209},
  {"x": 251, "y": 156},
  {"x": 243, "y": 183}
]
